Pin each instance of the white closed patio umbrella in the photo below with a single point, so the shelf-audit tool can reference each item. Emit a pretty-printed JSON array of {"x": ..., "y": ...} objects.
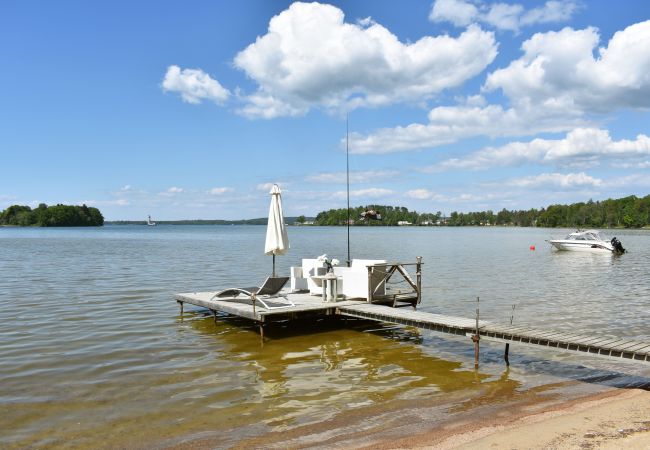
[{"x": 277, "y": 241}]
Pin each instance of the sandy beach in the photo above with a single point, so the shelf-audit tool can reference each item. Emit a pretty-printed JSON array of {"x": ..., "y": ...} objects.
[{"x": 617, "y": 419}]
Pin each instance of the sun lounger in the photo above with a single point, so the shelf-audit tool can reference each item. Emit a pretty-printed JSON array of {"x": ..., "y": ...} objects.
[{"x": 271, "y": 286}]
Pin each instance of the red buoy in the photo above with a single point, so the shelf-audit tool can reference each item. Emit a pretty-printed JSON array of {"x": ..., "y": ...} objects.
[{"x": 532, "y": 247}]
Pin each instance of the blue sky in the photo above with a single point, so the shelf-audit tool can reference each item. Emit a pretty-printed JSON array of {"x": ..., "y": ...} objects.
[{"x": 191, "y": 110}]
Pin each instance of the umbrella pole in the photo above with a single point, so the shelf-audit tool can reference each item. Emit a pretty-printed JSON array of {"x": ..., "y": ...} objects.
[{"x": 273, "y": 264}]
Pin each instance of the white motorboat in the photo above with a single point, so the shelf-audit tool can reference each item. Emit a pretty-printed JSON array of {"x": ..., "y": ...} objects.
[{"x": 587, "y": 241}]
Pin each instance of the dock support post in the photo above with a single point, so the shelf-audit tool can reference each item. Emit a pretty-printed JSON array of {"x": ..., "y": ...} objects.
[
  {"x": 181, "y": 305},
  {"x": 418, "y": 275},
  {"x": 476, "y": 338},
  {"x": 369, "y": 284},
  {"x": 505, "y": 355},
  {"x": 262, "y": 331},
  {"x": 214, "y": 315}
]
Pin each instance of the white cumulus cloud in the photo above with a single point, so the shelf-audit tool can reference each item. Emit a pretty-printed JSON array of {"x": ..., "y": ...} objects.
[
  {"x": 552, "y": 11},
  {"x": 556, "y": 180},
  {"x": 503, "y": 16},
  {"x": 559, "y": 71},
  {"x": 310, "y": 57},
  {"x": 448, "y": 124},
  {"x": 194, "y": 85},
  {"x": 220, "y": 190},
  {"x": 557, "y": 85},
  {"x": 458, "y": 12},
  {"x": 582, "y": 147}
]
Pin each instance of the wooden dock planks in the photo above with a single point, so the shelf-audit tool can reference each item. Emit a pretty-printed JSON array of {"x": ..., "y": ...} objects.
[
  {"x": 304, "y": 303},
  {"x": 598, "y": 345},
  {"x": 412, "y": 318},
  {"x": 307, "y": 304},
  {"x": 595, "y": 345}
]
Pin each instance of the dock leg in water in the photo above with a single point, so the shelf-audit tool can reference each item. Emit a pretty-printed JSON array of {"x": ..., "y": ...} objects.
[
  {"x": 505, "y": 355},
  {"x": 214, "y": 314},
  {"x": 262, "y": 332},
  {"x": 477, "y": 337},
  {"x": 181, "y": 305}
]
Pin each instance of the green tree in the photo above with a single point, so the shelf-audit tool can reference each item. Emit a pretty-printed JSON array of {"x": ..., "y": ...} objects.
[
  {"x": 631, "y": 212},
  {"x": 51, "y": 216}
]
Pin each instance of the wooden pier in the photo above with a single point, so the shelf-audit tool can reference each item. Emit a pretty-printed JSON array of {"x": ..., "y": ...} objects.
[
  {"x": 310, "y": 305},
  {"x": 591, "y": 344}
]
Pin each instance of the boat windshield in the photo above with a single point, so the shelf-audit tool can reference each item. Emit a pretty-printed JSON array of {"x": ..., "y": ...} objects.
[{"x": 584, "y": 236}]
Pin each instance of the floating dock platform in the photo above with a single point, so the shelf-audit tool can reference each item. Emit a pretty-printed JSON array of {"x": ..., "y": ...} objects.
[{"x": 297, "y": 305}]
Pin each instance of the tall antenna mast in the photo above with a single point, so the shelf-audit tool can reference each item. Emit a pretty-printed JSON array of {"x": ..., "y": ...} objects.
[{"x": 347, "y": 172}]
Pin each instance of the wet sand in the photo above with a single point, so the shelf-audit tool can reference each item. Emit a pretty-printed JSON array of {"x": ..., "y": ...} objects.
[
  {"x": 618, "y": 419},
  {"x": 536, "y": 419}
]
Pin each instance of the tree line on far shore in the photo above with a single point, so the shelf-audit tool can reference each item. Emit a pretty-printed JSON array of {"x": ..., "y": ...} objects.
[
  {"x": 52, "y": 216},
  {"x": 390, "y": 215},
  {"x": 627, "y": 212}
]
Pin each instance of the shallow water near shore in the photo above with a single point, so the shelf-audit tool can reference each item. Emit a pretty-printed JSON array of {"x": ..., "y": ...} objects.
[{"x": 95, "y": 354}]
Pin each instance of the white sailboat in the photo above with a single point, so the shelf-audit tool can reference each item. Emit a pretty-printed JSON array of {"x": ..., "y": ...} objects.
[{"x": 150, "y": 222}]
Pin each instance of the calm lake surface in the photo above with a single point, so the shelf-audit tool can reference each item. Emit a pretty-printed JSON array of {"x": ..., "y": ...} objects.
[{"x": 93, "y": 351}]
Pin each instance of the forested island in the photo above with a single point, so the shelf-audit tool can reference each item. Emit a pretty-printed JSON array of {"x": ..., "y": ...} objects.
[
  {"x": 52, "y": 216},
  {"x": 627, "y": 212}
]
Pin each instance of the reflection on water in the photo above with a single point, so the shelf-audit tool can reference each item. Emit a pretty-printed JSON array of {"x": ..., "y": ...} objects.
[
  {"x": 312, "y": 371},
  {"x": 93, "y": 350}
]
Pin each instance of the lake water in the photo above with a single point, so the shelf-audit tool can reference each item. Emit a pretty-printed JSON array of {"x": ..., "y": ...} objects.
[{"x": 93, "y": 351}]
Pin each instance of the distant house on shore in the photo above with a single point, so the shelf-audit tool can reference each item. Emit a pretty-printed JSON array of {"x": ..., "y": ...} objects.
[{"x": 404, "y": 223}]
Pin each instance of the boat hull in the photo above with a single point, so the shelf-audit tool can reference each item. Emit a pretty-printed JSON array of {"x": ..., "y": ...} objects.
[{"x": 573, "y": 246}]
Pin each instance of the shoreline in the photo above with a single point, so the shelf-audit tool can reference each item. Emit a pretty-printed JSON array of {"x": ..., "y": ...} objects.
[
  {"x": 602, "y": 418},
  {"x": 613, "y": 419}
]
